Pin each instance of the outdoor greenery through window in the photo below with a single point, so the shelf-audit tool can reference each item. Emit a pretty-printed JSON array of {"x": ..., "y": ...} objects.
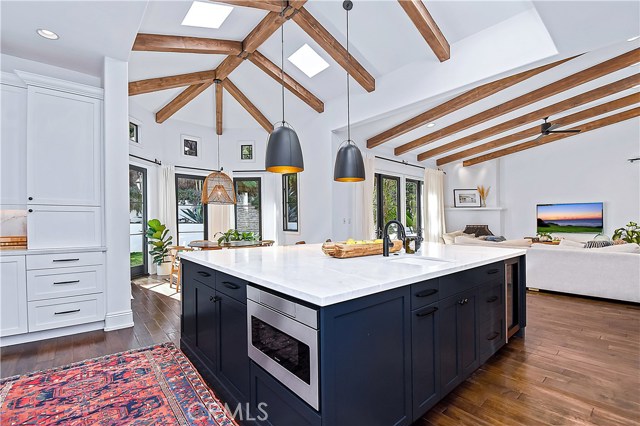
[
  {"x": 413, "y": 204},
  {"x": 192, "y": 218},
  {"x": 386, "y": 202},
  {"x": 290, "y": 202},
  {"x": 137, "y": 220},
  {"x": 248, "y": 208}
]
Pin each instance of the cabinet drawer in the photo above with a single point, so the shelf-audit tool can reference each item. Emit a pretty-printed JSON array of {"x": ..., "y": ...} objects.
[
  {"x": 424, "y": 293},
  {"x": 66, "y": 311},
  {"x": 62, "y": 282},
  {"x": 64, "y": 260},
  {"x": 232, "y": 286},
  {"x": 50, "y": 227},
  {"x": 455, "y": 283},
  {"x": 193, "y": 271},
  {"x": 491, "y": 302},
  {"x": 492, "y": 338}
]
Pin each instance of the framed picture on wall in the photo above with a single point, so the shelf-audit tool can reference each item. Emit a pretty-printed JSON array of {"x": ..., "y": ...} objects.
[
  {"x": 190, "y": 146},
  {"x": 247, "y": 151},
  {"x": 466, "y": 198}
]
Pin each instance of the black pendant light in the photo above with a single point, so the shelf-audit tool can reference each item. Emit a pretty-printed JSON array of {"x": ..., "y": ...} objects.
[
  {"x": 284, "y": 154},
  {"x": 349, "y": 165}
]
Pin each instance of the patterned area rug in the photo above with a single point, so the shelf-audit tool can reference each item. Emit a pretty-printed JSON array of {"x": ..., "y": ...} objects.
[{"x": 150, "y": 386}]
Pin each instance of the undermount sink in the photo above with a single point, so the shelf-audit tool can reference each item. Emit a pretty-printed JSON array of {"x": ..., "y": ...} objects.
[{"x": 420, "y": 261}]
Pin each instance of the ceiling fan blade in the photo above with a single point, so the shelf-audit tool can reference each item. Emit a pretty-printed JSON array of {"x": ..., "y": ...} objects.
[
  {"x": 541, "y": 135},
  {"x": 564, "y": 131},
  {"x": 553, "y": 126}
]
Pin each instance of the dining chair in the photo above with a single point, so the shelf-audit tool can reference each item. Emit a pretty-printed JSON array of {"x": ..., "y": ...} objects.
[
  {"x": 266, "y": 243},
  {"x": 300, "y": 242},
  {"x": 205, "y": 248},
  {"x": 175, "y": 273}
]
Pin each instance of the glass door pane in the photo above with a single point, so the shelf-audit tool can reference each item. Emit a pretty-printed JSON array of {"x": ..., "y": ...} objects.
[
  {"x": 248, "y": 205},
  {"x": 137, "y": 220},
  {"x": 413, "y": 219},
  {"x": 192, "y": 217},
  {"x": 390, "y": 200}
]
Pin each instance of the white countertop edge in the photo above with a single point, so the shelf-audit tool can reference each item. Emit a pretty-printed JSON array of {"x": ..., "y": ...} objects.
[
  {"x": 350, "y": 294},
  {"x": 22, "y": 252}
]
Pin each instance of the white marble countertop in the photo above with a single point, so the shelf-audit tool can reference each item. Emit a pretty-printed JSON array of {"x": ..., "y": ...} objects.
[
  {"x": 22, "y": 252},
  {"x": 305, "y": 273}
]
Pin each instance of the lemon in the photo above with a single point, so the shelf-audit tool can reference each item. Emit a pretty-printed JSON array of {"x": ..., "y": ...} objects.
[{"x": 351, "y": 241}]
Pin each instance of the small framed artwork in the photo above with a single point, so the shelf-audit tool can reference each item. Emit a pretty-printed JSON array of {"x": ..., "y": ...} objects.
[
  {"x": 134, "y": 132},
  {"x": 466, "y": 198},
  {"x": 247, "y": 151},
  {"x": 190, "y": 146}
]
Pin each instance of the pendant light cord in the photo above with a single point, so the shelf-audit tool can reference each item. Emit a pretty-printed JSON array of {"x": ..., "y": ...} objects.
[
  {"x": 219, "y": 169},
  {"x": 348, "y": 92},
  {"x": 284, "y": 5}
]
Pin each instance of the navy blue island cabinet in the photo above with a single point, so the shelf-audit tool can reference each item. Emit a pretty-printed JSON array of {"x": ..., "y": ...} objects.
[{"x": 383, "y": 359}]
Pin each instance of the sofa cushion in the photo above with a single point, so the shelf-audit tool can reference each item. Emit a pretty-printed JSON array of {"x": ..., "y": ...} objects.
[
  {"x": 620, "y": 248},
  {"x": 597, "y": 244},
  {"x": 450, "y": 236},
  {"x": 569, "y": 243},
  {"x": 463, "y": 240}
]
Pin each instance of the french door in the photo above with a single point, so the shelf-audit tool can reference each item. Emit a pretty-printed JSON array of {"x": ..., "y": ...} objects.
[
  {"x": 386, "y": 200},
  {"x": 138, "y": 221}
]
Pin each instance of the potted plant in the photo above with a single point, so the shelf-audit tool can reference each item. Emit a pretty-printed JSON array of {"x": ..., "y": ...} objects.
[
  {"x": 159, "y": 240},
  {"x": 235, "y": 235},
  {"x": 630, "y": 233}
]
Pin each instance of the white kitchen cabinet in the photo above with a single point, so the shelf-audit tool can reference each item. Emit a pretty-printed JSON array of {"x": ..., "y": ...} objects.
[
  {"x": 63, "y": 227},
  {"x": 13, "y": 149},
  {"x": 64, "y": 149},
  {"x": 13, "y": 296}
]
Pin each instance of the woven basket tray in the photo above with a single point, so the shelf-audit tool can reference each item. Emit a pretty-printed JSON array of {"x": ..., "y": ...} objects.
[{"x": 341, "y": 250}]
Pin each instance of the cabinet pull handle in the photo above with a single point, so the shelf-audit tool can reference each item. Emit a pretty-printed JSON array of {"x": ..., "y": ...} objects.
[
  {"x": 492, "y": 299},
  {"x": 65, "y": 260},
  {"x": 493, "y": 335},
  {"x": 426, "y": 312},
  {"x": 232, "y": 286},
  {"x": 30, "y": 210},
  {"x": 493, "y": 271},
  {"x": 463, "y": 301},
  {"x": 426, "y": 293},
  {"x": 66, "y": 282},
  {"x": 204, "y": 274},
  {"x": 67, "y": 312},
  {"x": 214, "y": 299},
  {"x": 30, "y": 198}
]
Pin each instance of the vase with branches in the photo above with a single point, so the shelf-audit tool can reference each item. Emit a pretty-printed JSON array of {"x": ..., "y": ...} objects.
[{"x": 484, "y": 193}]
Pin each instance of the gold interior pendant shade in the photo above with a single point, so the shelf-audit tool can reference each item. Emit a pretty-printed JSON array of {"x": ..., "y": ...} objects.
[{"x": 218, "y": 189}]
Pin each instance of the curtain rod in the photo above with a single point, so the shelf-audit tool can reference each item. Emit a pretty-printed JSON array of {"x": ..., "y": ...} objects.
[
  {"x": 154, "y": 161},
  {"x": 249, "y": 171},
  {"x": 401, "y": 162},
  {"x": 196, "y": 168}
]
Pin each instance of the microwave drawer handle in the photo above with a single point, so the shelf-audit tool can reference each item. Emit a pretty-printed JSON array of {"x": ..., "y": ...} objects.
[
  {"x": 427, "y": 293},
  {"x": 232, "y": 286},
  {"x": 66, "y": 260},
  {"x": 204, "y": 274},
  {"x": 426, "y": 312},
  {"x": 66, "y": 282},
  {"x": 493, "y": 271},
  {"x": 67, "y": 312}
]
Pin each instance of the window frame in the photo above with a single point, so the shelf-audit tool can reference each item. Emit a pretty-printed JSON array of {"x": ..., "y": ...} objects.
[
  {"x": 285, "y": 203},
  {"x": 142, "y": 270},
  {"x": 235, "y": 206},
  {"x": 418, "y": 202},
  {"x": 380, "y": 215},
  {"x": 205, "y": 211}
]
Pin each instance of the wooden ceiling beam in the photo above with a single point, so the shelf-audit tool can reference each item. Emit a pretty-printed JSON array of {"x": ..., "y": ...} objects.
[
  {"x": 171, "y": 82},
  {"x": 218, "y": 91},
  {"x": 180, "y": 101},
  {"x": 181, "y": 44},
  {"x": 274, "y": 71},
  {"x": 247, "y": 105},
  {"x": 535, "y": 131},
  {"x": 590, "y": 96},
  {"x": 320, "y": 35},
  {"x": 460, "y": 101},
  {"x": 270, "y": 5},
  {"x": 587, "y": 127},
  {"x": 574, "y": 80},
  {"x": 421, "y": 18}
]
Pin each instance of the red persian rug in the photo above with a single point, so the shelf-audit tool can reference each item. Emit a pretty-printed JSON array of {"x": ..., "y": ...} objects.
[{"x": 149, "y": 386}]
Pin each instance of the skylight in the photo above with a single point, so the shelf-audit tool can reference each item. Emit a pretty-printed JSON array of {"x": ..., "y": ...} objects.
[
  {"x": 206, "y": 15},
  {"x": 308, "y": 61}
]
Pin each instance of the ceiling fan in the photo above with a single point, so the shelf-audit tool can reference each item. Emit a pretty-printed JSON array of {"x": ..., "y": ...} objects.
[{"x": 547, "y": 128}]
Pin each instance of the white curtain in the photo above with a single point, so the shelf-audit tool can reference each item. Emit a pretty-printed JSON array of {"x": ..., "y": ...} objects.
[
  {"x": 434, "y": 205},
  {"x": 220, "y": 218},
  {"x": 364, "y": 199},
  {"x": 167, "y": 200}
]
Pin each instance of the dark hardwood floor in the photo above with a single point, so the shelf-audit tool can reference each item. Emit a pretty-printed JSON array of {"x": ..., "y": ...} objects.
[{"x": 579, "y": 363}]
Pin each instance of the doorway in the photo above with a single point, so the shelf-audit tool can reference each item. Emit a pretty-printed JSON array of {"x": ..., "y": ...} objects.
[{"x": 138, "y": 221}]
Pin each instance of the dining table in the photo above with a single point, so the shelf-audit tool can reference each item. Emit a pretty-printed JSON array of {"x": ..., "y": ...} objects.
[{"x": 214, "y": 245}]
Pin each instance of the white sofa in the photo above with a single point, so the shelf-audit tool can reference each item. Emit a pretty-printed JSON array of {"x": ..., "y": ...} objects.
[{"x": 599, "y": 272}]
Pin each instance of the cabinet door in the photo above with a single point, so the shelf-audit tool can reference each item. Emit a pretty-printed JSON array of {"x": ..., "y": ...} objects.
[
  {"x": 13, "y": 296},
  {"x": 425, "y": 358},
  {"x": 207, "y": 323},
  {"x": 234, "y": 359},
  {"x": 188, "y": 324},
  {"x": 63, "y": 227},
  {"x": 63, "y": 144},
  {"x": 468, "y": 332},
  {"x": 13, "y": 147}
]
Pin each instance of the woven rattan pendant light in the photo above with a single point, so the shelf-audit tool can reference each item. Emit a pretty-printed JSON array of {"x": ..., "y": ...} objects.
[{"x": 218, "y": 187}]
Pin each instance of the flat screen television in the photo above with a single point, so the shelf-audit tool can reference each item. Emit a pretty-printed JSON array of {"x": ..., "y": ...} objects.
[{"x": 584, "y": 218}]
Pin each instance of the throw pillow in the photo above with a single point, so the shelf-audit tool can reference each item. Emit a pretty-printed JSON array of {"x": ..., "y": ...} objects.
[
  {"x": 450, "y": 236},
  {"x": 619, "y": 241},
  {"x": 495, "y": 238},
  {"x": 597, "y": 244},
  {"x": 620, "y": 248},
  {"x": 478, "y": 230},
  {"x": 569, "y": 243}
]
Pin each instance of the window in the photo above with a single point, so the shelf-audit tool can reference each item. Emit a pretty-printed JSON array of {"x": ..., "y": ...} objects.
[
  {"x": 191, "y": 216},
  {"x": 133, "y": 133},
  {"x": 290, "y": 202},
  {"x": 137, "y": 220},
  {"x": 386, "y": 200},
  {"x": 190, "y": 146},
  {"x": 413, "y": 207},
  {"x": 246, "y": 152},
  {"x": 248, "y": 208}
]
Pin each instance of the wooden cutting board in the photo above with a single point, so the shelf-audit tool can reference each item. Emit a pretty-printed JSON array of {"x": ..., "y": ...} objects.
[
  {"x": 342, "y": 250},
  {"x": 13, "y": 243}
]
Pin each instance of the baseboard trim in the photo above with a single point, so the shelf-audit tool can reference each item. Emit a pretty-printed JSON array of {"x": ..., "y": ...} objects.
[
  {"x": 118, "y": 320},
  {"x": 50, "y": 334}
]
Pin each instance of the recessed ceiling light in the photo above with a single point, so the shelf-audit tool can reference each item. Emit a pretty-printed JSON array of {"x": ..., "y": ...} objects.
[
  {"x": 633, "y": 38},
  {"x": 308, "y": 61},
  {"x": 431, "y": 124},
  {"x": 48, "y": 34},
  {"x": 206, "y": 15}
]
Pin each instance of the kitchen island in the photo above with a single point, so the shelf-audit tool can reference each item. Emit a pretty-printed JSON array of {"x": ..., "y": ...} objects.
[{"x": 289, "y": 336}]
